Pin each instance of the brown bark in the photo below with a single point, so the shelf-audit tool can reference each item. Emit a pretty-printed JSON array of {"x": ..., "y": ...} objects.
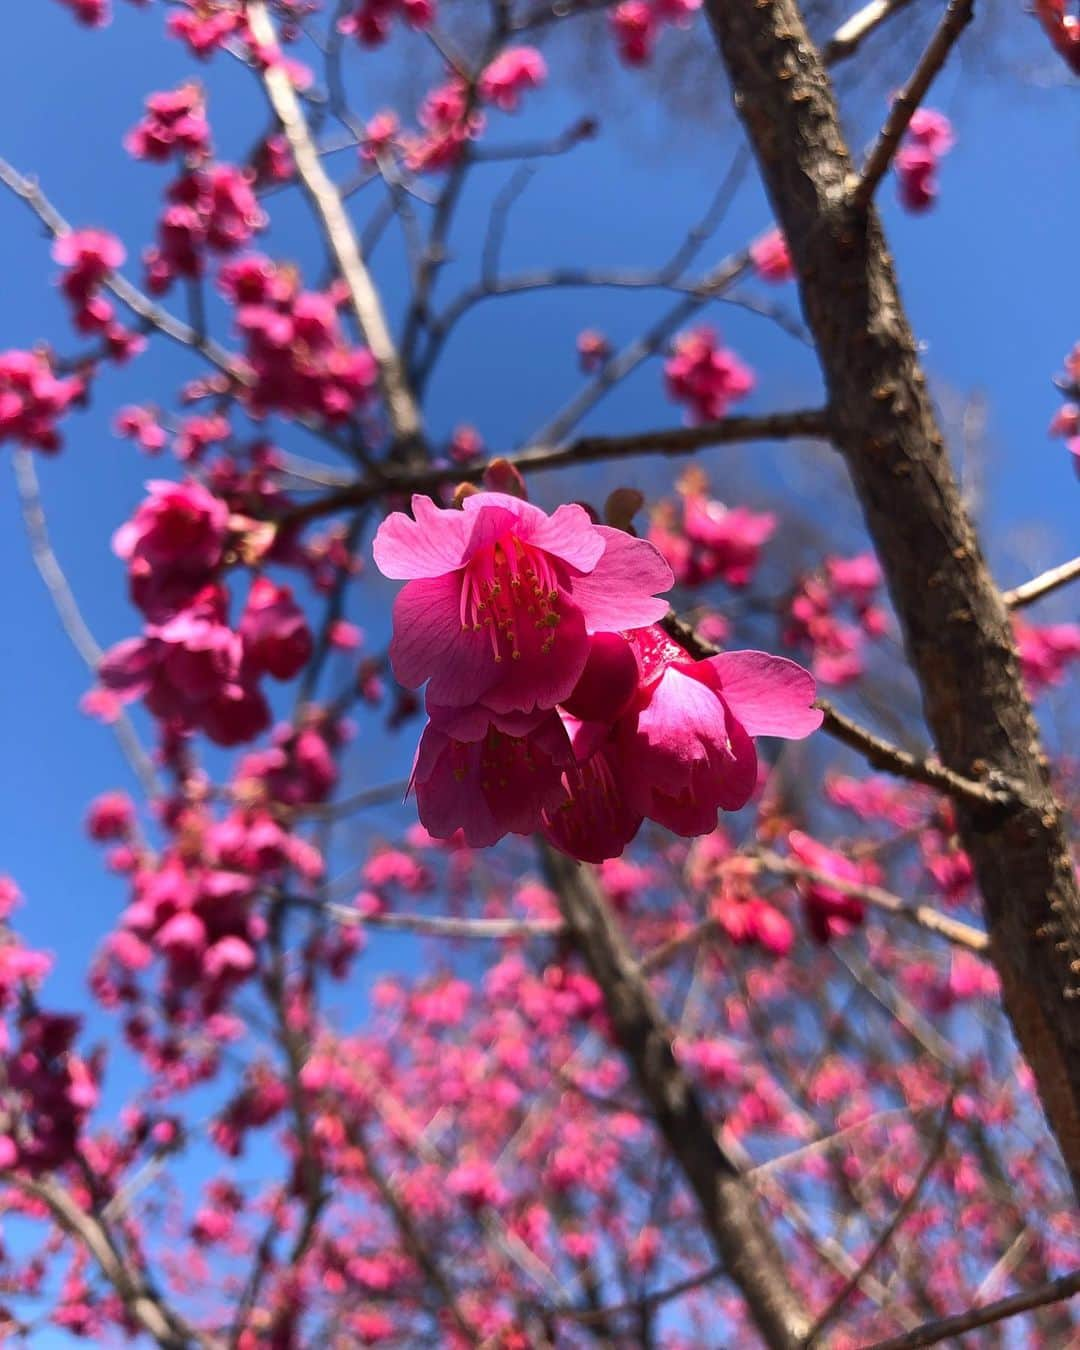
[
  {"x": 955, "y": 622},
  {"x": 730, "y": 1209}
]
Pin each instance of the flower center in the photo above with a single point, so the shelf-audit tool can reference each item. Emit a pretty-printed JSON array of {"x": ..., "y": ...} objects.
[{"x": 512, "y": 590}]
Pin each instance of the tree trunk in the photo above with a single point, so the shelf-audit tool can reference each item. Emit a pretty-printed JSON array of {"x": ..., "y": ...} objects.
[{"x": 955, "y": 624}]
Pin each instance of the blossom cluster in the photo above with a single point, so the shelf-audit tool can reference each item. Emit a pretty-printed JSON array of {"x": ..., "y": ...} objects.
[
  {"x": 704, "y": 376},
  {"x": 295, "y": 353},
  {"x": 193, "y": 670},
  {"x": 88, "y": 257},
  {"x": 636, "y": 25},
  {"x": 33, "y": 398},
  {"x": 702, "y": 539},
  {"x": 929, "y": 136},
  {"x": 555, "y": 703},
  {"x": 816, "y": 622}
]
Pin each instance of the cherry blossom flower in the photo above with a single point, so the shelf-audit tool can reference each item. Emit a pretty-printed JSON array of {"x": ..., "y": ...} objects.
[
  {"x": 704, "y": 376},
  {"x": 501, "y": 598},
  {"x": 770, "y": 256},
  {"x": 512, "y": 72}
]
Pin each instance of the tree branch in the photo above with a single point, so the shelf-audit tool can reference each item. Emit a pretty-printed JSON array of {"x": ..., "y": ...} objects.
[
  {"x": 729, "y": 1208},
  {"x": 946, "y": 1328},
  {"x": 957, "y": 17},
  {"x": 955, "y": 625},
  {"x": 925, "y": 916},
  {"x": 401, "y": 407},
  {"x": 1041, "y": 585},
  {"x": 144, "y": 1304},
  {"x": 810, "y": 423}
]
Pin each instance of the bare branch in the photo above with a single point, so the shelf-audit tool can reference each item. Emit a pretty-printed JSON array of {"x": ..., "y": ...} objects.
[
  {"x": 69, "y": 613},
  {"x": 401, "y": 407},
  {"x": 728, "y": 1206},
  {"x": 1041, "y": 585},
  {"x": 957, "y": 17},
  {"x": 851, "y": 34},
  {"x": 810, "y": 423},
  {"x": 925, "y": 916},
  {"x": 152, "y": 314},
  {"x": 945, "y": 1328},
  {"x": 142, "y": 1301},
  {"x": 887, "y": 1234}
]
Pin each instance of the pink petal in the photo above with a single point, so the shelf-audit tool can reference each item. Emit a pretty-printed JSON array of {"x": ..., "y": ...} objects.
[
  {"x": 427, "y": 546},
  {"x": 769, "y": 695},
  {"x": 619, "y": 592},
  {"x": 570, "y": 535},
  {"x": 429, "y": 640}
]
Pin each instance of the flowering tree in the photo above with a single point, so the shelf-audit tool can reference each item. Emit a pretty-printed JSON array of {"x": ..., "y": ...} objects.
[{"x": 728, "y": 1018}]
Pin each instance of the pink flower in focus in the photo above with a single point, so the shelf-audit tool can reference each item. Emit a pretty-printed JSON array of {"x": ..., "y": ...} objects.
[
  {"x": 687, "y": 747},
  {"x": 771, "y": 258},
  {"x": 490, "y": 778},
  {"x": 676, "y": 748},
  {"x": 513, "y": 71},
  {"x": 705, "y": 377},
  {"x": 501, "y": 598}
]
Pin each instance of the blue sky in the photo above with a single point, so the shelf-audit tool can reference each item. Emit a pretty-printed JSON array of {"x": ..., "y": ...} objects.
[{"x": 989, "y": 277}]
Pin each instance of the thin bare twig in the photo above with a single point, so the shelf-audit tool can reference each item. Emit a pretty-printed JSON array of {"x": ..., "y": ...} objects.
[
  {"x": 945, "y": 1328},
  {"x": 933, "y": 1157},
  {"x": 68, "y": 612},
  {"x": 925, "y": 916},
  {"x": 810, "y": 423},
  {"x": 1043, "y": 584},
  {"x": 957, "y": 17},
  {"x": 854, "y": 31}
]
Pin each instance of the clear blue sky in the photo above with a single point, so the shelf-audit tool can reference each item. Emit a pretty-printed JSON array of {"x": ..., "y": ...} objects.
[{"x": 990, "y": 278}]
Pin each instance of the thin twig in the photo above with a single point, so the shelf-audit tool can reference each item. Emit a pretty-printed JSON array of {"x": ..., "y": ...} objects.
[
  {"x": 140, "y": 304},
  {"x": 945, "y": 1328},
  {"x": 401, "y": 407},
  {"x": 925, "y": 916},
  {"x": 810, "y": 423},
  {"x": 1041, "y": 585},
  {"x": 68, "y": 612},
  {"x": 853, "y": 32},
  {"x": 433, "y": 925},
  {"x": 957, "y": 17},
  {"x": 933, "y": 1157},
  {"x": 879, "y": 753}
]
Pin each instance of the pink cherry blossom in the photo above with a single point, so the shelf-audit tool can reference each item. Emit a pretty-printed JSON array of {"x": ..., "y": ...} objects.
[
  {"x": 501, "y": 597},
  {"x": 512, "y": 72},
  {"x": 680, "y": 748},
  {"x": 704, "y": 376},
  {"x": 771, "y": 258},
  {"x": 490, "y": 778},
  {"x": 172, "y": 545},
  {"x": 275, "y": 632}
]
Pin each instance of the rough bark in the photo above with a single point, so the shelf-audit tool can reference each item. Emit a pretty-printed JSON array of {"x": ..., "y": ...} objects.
[
  {"x": 730, "y": 1209},
  {"x": 955, "y": 622}
]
